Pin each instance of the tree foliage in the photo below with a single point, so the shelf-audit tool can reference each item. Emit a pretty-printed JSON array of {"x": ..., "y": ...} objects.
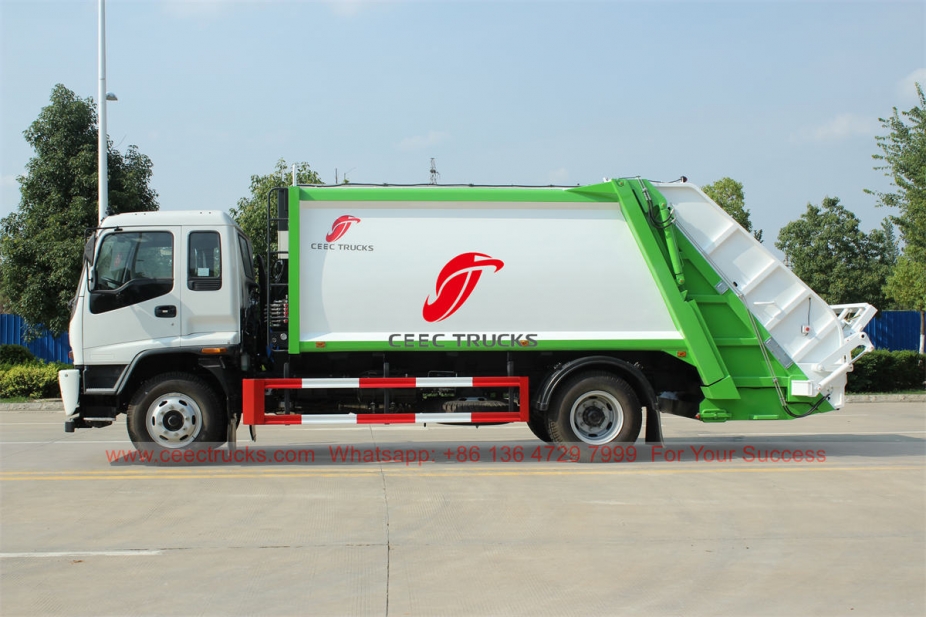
[
  {"x": 728, "y": 193},
  {"x": 903, "y": 150},
  {"x": 904, "y": 154},
  {"x": 828, "y": 251},
  {"x": 251, "y": 212},
  {"x": 42, "y": 242},
  {"x": 907, "y": 284}
]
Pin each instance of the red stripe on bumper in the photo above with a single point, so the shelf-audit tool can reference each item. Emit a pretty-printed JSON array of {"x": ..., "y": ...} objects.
[
  {"x": 387, "y": 382},
  {"x": 386, "y": 418}
]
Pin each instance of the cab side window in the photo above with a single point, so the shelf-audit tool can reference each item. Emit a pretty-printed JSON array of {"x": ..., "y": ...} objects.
[
  {"x": 246, "y": 258},
  {"x": 204, "y": 271},
  {"x": 132, "y": 267}
]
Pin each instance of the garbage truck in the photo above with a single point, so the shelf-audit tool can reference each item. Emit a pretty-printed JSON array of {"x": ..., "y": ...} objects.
[{"x": 584, "y": 312}]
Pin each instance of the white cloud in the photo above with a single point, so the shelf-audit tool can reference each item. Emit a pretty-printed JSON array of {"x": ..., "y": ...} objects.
[
  {"x": 346, "y": 8},
  {"x": 906, "y": 89},
  {"x": 419, "y": 142},
  {"x": 843, "y": 126}
]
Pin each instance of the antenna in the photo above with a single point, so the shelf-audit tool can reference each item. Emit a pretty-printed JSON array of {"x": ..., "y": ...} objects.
[
  {"x": 434, "y": 174},
  {"x": 344, "y": 179}
]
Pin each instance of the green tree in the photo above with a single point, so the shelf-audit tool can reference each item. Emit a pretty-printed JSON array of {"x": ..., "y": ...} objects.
[
  {"x": 42, "y": 242},
  {"x": 828, "y": 251},
  {"x": 904, "y": 154},
  {"x": 251, "y": 212},
  {"x": 728, "y": 193},
  {"x": 903, "y": 150},
  {"x": 907, "y": 284}
]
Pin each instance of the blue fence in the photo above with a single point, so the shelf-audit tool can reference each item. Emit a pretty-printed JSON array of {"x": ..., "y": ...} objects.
[
  {"x": 46, "y": 347},
  {"x": 895, "y": 330}
]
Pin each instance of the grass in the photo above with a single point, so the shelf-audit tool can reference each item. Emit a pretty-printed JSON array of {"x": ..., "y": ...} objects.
[{"x": 17, "y": 399}]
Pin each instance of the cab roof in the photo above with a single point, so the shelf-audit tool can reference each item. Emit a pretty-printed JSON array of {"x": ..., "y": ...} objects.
[{"x": 169, "y": 217}]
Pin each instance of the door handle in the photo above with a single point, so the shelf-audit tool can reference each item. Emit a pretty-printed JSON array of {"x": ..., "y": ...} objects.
[{"x": 165, "y": 311}]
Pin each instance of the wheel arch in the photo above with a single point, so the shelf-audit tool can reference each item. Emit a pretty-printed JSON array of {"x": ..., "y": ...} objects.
[
  {"x": 622, "y": 368},
  {"x": 151, "y": 364}
]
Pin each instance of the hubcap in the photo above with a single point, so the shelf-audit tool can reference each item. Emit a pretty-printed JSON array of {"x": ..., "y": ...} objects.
[
  {"x": 596, "y": 417},
  {"x": 174, "y": 420}
]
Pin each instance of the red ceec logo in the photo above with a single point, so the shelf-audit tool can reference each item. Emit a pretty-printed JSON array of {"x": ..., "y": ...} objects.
[
  {"x": 455, "y": 283},
  {"x": 340, "y": 227}
]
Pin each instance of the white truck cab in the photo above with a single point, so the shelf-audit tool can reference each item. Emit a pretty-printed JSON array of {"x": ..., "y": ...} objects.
[{"x": 160, "y": 292}]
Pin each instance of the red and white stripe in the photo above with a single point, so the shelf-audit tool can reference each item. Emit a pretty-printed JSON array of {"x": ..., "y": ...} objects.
[
  {"x": 390, "y": 382},
  {"x": 254, "y": 413},
  {"x": 395, "y": 418}
]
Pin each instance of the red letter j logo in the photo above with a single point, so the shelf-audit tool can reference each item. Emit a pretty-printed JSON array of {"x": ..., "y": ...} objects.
[
  {"x": 340, "y": 227},
  {"x": 455, "y": 283}
]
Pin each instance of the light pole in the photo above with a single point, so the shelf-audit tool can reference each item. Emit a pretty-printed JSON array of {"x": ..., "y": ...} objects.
[{"x": 102, "y": 97}]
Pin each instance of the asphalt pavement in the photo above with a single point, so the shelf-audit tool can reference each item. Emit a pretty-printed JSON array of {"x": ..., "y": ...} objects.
[{"x": 820, "y": 516}]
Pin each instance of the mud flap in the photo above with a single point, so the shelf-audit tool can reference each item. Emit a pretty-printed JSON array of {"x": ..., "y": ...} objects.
[{"x": 653, "y": 426}]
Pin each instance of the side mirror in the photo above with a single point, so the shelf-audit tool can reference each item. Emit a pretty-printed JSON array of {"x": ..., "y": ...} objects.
[{"x": 88, "y": 249}]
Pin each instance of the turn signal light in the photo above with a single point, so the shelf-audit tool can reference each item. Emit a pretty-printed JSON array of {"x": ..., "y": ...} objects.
[{"x": 215, "y": 350}]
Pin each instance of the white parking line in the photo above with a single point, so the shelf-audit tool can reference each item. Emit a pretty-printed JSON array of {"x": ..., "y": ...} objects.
[
  {"x": 138, "y": 553},
  {"x": 56, "y": 441}
]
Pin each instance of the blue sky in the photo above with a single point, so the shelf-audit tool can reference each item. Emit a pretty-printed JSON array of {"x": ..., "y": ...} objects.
[{"x": 783, "y": 96}]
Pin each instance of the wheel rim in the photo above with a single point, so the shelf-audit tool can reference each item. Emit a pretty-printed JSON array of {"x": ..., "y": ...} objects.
[
  {"x": 596, "y": 417},
  {"x": 174, "y": 420}
]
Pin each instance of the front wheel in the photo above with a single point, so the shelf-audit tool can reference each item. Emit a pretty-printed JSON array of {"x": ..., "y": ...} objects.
[
  {"x": 595, "y": 408},
  {"x": 538, "y": 425},
  {"x": 175, "y": 411}
]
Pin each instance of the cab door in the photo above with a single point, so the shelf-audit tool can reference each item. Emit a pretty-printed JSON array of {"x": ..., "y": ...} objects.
[
  {"x": 134, "y": 301},
  {"x": 211, "y": 302}
]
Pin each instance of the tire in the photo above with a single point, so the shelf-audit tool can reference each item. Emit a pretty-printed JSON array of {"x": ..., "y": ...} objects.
[
  {"x": 594, "y": 409},
  {"x": 538, "y": 426},
  {"x": 176, "y": 411}
]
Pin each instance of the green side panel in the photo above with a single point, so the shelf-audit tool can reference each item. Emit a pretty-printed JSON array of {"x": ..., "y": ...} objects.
[
  {"x": 294, "y": 229},
  {"x": 656, "y": 251}
]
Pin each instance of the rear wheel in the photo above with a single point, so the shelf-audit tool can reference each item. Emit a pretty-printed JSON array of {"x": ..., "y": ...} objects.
[
  {"x": 176, "y": 411},
  {"x": 595, "y": 408}
]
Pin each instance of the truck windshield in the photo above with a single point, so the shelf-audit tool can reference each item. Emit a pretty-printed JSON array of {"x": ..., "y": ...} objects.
[{"x": 139, "y": 255}]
